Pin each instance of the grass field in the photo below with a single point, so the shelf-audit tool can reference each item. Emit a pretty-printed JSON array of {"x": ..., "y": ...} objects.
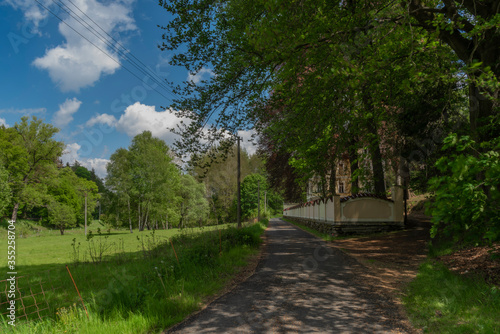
[
  {"x": 439, "y": 301},
  {"x": 140, "y": 286}
]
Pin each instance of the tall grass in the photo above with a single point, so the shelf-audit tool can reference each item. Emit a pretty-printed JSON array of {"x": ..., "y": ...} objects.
[
  {"x": 147, "y": 290},
  {"x": 439, "y": 301}
]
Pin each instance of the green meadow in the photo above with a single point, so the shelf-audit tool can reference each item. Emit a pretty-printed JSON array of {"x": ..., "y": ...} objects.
[{"x": 141, "y": 282}]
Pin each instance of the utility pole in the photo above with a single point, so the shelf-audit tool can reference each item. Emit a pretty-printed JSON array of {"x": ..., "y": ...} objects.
[
  {"x": 258, "y": 200},
  {"x": 85, "y": 214},
  {"x": 239, "y": 192},
  {"x": 265, "y": 201}
]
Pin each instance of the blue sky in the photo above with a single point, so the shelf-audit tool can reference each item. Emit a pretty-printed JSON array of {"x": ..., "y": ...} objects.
[{"x": 50, "y": 71}]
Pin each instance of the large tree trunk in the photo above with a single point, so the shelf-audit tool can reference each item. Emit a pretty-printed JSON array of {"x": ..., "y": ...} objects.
[
  {"x": 374, "y": 145},
  {"x": 378, "y": 168},
  {"x": 480, "y": 110},
  {"x": 14, "y": 212},
  {"x": 481, "y": 48},
  {"x": 333, "y": 178},
  {"x": 353, "y": 161}
]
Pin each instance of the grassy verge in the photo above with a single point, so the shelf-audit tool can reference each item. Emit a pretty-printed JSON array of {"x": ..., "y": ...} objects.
[
  {"x": 144, "y": 291},
  {"x": 440, "y": 301}
]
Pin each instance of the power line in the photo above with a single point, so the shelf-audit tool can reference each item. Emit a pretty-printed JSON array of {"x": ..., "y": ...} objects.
[
  {"x": 97, "y": 47},
  {"x": 103, "y": 39},
  {"x": 116, "y": 41}
]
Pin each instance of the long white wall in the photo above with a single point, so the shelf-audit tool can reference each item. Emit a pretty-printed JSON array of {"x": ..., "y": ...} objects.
[{"x": 358, "y": 208}]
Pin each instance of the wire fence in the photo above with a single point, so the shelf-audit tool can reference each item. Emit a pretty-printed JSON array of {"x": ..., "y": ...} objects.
[{"x": 36, "y": 296}]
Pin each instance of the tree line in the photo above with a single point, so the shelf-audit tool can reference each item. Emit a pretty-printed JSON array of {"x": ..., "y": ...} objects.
[
  {"x": 406, "y": 91},
  {"x": 145, "y": 187}
]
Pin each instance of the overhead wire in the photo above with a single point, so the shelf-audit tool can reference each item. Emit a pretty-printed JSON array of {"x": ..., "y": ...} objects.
[
  {"x": 135, "y": 62},
  {"x": 106, "y": 53},
  {"x": 103, "y": 39},
  {"x": 116, "y": 41}
]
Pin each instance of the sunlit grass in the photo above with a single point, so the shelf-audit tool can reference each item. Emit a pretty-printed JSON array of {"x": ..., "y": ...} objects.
[
  {"x": 143, "y": 289},
  {"x": 439, "y": 301}
]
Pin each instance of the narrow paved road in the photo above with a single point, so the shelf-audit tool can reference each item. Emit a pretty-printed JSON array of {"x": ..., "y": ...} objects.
[{"x": 301, "y": 285}]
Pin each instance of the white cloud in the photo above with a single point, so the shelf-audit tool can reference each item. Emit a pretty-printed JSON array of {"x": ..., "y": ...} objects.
[
  {"x": 200, "y": 75},
  {"x": 139, "y": 117},
  {"x": 33, "y": 13},
  {"x": 247, "y": 140},
  {"x": 65, "y": 113},
  {"x": 3, "y": 122},
  {"x": 98, "y": 164},
  {"x": 109, "y": 120},
  {"x": 77, "y": 63},
  {"x": 70, "y": 154}
]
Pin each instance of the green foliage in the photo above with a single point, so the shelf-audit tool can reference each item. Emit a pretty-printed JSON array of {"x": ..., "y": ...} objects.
[
  {"x": 61, "y": 215},
  {"x": 193, "y": 204},
  {"x": 5, "y": 192},
  {"x": 139, "y": 295},
  {"x": 466, "y": 205},
  {"x": 220, "y": 179},
  {"x": 439, "y": 301},
  {"x": 250, "y": 196},
  {"x": 143, "y": 182}
]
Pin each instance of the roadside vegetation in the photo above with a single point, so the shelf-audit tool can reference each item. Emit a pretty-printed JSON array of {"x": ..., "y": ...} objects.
[
  {"x": 440, "y": 301},
  {"x": 168, "y": 275}
]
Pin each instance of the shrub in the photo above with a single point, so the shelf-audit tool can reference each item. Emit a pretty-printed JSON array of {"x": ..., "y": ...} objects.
[{"x": 466, "y": 196}]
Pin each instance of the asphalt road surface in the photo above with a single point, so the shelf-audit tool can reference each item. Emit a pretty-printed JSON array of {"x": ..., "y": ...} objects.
[{"x": 301, "y": 285}]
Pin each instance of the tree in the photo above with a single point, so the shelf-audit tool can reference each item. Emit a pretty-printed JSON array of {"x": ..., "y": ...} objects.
[
  {"x": 31, "y": 152},
  {"x": 119, "y": 181},
  {"x": 470, "y": 28},
  {"x": 145, "y": 179},
  {"x": 69, "y": 190},
  {"x": 5, "y": 194},
  {"x": 61, "y": 215},
  {"x": 155, "y": 178},
  {"x": 343, "y": 68},
  {"x": 292, "y": 64},
  {"x": 218, "y": 173},
  {"x": 193, "y": 205}
]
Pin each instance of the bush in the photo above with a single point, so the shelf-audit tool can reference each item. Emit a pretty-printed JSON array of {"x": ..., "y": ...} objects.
[{"x": 466, "y": 197}]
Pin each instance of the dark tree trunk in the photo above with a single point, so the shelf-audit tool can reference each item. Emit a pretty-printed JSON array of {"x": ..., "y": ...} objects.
[
  {"x": 14, "y": 212},
  {"x": 333, "y": 178},
  {"x": 353, "y": 161},
  {"x": 374, "y": 145}
]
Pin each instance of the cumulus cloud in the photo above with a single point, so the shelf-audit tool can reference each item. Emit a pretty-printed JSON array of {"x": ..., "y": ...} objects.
[
  {"x": 109, "y": 120},
  {"x": 70, "y": 155},
  {"x": 3, "y": 122},
  {"x": 248, "y": 140},
  {"x": 98, "y": 164},
  {"x": 64, "y": 115},
  {"x": 77, "y": 63},
  {"x": 200, "y": 75},
  {"x": 139, "y": 117}
]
